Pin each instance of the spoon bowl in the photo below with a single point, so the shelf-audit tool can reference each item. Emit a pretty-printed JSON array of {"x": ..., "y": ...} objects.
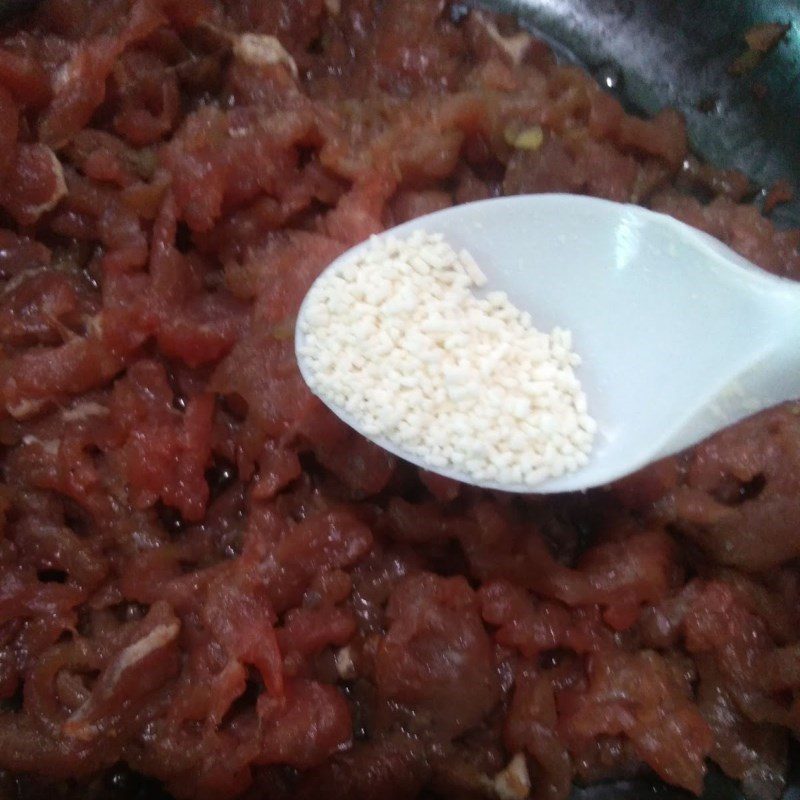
[{"x": 679, "y": 335}]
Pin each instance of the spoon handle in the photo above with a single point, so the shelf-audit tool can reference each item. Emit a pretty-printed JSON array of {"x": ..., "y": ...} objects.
[{"x": 768, "y": 375}]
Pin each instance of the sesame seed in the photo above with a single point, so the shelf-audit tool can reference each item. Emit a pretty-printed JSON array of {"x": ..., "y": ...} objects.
[{"x": 398, "y": 339}]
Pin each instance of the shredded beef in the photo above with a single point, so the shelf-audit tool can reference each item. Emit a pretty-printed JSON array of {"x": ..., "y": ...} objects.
[{"x": 208, "y": 580}]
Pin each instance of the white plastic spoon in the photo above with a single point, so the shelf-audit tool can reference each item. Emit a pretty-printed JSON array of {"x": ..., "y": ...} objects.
[{"x": 679, "y": 335}]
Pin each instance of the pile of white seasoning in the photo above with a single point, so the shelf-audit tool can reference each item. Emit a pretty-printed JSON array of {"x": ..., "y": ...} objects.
[{"x": 399, "y": 340}]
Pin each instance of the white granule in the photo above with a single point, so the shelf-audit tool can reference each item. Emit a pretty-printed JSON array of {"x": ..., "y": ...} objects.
[
  {"x": 514, "y": 782},
  {"x": 261, "y": 50},
  {"x": 399, "y": 341}
]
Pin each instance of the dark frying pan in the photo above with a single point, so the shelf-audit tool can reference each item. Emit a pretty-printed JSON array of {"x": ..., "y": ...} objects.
[
  {"x": 679, "y": 53},
  {"x": 652, "y": 54}
]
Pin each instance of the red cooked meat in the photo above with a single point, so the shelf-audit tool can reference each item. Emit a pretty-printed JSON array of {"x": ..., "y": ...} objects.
[{"x": 206, "y": 579}]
